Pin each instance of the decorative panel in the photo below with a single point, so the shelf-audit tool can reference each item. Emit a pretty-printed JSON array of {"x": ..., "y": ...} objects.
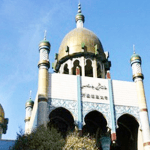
[{"x": 121, "y": 110}]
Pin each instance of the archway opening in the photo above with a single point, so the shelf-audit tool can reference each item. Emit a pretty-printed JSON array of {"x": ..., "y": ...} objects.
[
  {"x": 94, "y": 120},
  {"x": 127, "y": 132},
  {"x": 62, "y": 120},
  {"x": 66, "y": 70},
  {"x": 88, "y": 68},
  {"x": 75, "y": 65},
  {"x": 98, "y": 71}
]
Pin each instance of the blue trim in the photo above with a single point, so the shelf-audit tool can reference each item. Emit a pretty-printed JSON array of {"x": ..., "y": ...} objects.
[
  {"x": 136, "y": 61},
  {"x": 44, "y": 47},
  {"x": 79, "y": 102},
  {"x": 112, "y": 110}
]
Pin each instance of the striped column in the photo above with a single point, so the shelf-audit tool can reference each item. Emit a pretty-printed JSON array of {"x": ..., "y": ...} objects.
[
  {"x": 80, "y": 124},
  {"x": 113, "y": 118}
]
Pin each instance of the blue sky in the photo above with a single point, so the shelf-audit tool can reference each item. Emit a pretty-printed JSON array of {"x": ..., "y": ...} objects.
[{"x": 118, "y": 24}]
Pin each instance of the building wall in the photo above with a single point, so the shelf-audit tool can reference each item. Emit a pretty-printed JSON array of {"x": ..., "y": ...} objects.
[{"x": 62, "y": 92}]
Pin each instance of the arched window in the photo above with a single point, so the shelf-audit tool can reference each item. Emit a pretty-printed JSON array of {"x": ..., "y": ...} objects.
[
  {"x": 66, "y": 70},
  {"x": 88, "y": 68},
  {"x": 98, "y": 71},
  {"x": 75, "y": 65}
]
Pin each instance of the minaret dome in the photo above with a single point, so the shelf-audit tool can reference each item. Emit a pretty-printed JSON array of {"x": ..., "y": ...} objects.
[
  {"x": 135, "y": 57},
  {"x": 30, "y": 103}
]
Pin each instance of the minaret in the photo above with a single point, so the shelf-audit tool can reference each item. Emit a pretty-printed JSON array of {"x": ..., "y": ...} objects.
[
  {"x": 28, "y": 107},
  {"x": 43, "y": 65},
  {"x": 138, "y": 79}
]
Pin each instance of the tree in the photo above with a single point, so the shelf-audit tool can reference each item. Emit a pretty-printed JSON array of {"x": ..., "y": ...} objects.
[
  {"x": 44, "y": 138},
  {"x": 40, "y": 139},
  {"x": 76, "y": 142}
]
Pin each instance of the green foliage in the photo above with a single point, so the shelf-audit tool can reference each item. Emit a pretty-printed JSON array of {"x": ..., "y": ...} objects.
[
  {"x": 41, "y": 139},
  {"x": 49, "y": 139}
]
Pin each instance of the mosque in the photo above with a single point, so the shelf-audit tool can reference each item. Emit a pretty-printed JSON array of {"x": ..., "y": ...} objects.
[{"x": 81, "y": 95}]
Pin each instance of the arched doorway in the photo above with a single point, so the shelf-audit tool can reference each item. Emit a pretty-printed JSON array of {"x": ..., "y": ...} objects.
[
  {"x": 96, "y": 126},
  {"x": 62, "y": 120},
  {"x": 93, "y": 121},
  {"x": 127, "y": 132}
]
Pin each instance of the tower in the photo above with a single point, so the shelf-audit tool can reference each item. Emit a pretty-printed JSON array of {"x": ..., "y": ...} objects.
[
  {"x": 3, "y": 122},
  {"x": 43, "y": 65},
  {"x": 138, "y": 79},
  {"x": 28, "y": 107}
]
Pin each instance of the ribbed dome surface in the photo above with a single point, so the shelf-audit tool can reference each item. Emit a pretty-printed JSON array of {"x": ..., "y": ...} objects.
[{"x": 75, "y": 38}]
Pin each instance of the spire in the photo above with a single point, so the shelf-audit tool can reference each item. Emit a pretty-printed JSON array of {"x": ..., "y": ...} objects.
[
  {"x": 30, "y": 94},
  {"x": 79, "y": 8},
  {"x": 133, "y": 49},
  {"x": 45, "y": 35},
  {"x": 79, "y": 17}
]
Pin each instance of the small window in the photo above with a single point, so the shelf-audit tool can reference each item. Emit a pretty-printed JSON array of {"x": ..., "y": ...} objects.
[
  {"x": 88, "y": 68},
  {"x": 98, "y": 71},
  {"x": 66, "y": 70},
  {"x": 75, "y": 65}
]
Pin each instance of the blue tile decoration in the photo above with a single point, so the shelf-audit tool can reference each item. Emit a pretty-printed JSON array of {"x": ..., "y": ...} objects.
[{"x": 87, "y": 107}]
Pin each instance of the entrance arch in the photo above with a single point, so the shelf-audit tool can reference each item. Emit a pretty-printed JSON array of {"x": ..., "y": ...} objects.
[
  {"x": 127, "y": 132},
  {"x": 62, "y": 120},
  {"x": 94, "y": 120}
]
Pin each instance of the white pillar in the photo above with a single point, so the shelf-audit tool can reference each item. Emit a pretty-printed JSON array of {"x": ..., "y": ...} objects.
[
  {"x": 70, "y": 66},
  {"x": 83, "y": 66},
  {"x": 94, "y": 65}
]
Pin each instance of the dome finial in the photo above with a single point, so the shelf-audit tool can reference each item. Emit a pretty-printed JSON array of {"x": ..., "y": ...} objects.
[
  {"x": 30, "y": 94},
  {"x": 79, "y": 17},
  {"x": 79, "y": 7},
  {"x": 45, "y": 35},
  {"x": 134, "y": 49}
]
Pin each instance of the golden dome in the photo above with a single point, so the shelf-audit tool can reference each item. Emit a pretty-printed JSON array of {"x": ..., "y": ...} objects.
[
  {"x": 1, "y": 114},
  {"x": 75, "y": 38}
]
